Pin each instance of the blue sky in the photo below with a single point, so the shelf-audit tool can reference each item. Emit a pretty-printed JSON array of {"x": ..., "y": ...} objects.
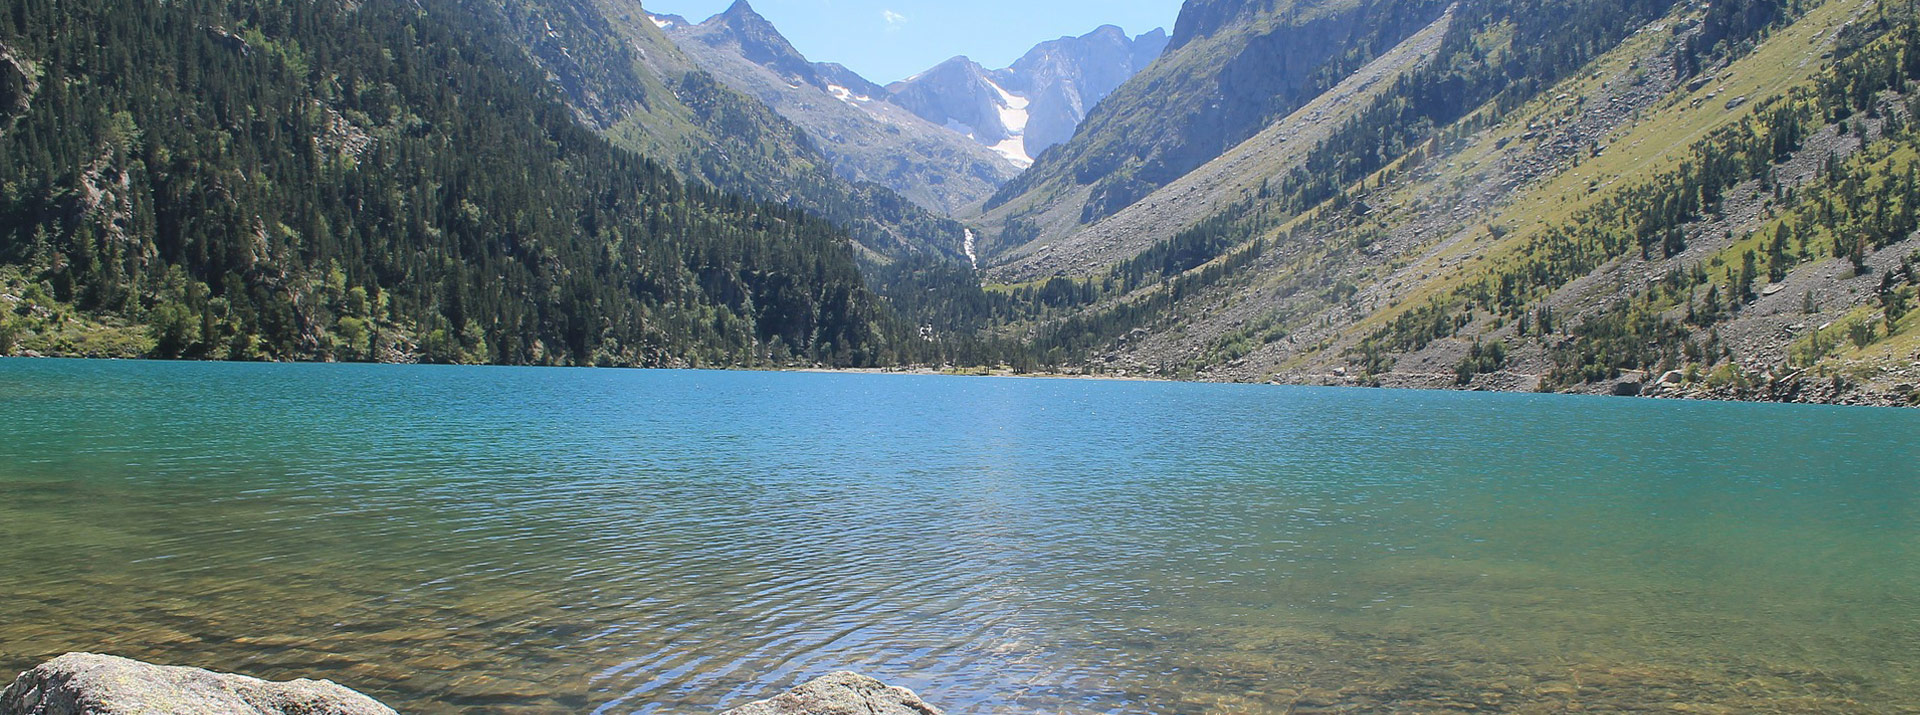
[{"x": 887, "y": 40}]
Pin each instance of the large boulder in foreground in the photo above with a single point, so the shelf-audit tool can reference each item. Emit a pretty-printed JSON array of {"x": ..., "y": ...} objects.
[
  {"x": 841, "y": 693},
  {"x": 89, "y": 684}
]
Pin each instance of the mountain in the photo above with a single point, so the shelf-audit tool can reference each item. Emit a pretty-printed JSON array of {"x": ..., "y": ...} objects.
[
  {"x": 374, "y": 180},
  {"x": 1238, "y": 172},
  {"x": 867, "y": 138},
  {"x": 1592, "y": 196},
  {"x": 1036, "y": 103},
  {"x": 1646, "y": 197},
  {"x": 1230, "y": 69},
  {"x": 623, "y": 77},
  {"x": 958, "y": 95}
]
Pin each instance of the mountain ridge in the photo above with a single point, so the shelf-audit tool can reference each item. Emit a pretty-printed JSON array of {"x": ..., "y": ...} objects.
[
  {"x": 1653, "y": 197},
  {"x": 1038, "y": 101},
  {"x": 1215, "y": 87},
  {"x": 1644, "y": 198},
  {"x": 1226, "y": 179},
  {"x": 627, "y": 80},
  {"x": 866, "y": 138}
]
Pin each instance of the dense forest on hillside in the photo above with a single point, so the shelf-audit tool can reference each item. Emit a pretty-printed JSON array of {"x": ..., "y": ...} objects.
[{"x": 259, "y": 179}]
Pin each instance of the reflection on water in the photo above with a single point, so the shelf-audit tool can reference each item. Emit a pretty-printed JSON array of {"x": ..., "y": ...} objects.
[{"x": 497, "y": 540}]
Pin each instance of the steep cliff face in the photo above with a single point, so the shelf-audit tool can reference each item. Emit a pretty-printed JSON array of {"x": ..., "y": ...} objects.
[
  {"x": 1232, "y": 67},
  {"x": 1036, "y": 103},
  {"x": 866, "y": 138},
  {"x": 958, "y": 94},
  {"x": 1063, "y": 79}
]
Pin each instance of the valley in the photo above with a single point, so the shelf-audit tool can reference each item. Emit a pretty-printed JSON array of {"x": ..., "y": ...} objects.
[
  {"x": 624, "y": 356},
  {"x": 1527, "y": 195}
]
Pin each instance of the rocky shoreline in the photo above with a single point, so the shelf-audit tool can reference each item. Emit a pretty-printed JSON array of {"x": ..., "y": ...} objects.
[
  {"x": 94, "y": 684},
  {"x": 1755, "y": 386},
  {"x": 1800, "y": 388}
]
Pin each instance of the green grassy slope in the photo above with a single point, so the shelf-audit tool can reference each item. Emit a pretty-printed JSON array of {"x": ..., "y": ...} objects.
[{"x": 1575, "y": 241}]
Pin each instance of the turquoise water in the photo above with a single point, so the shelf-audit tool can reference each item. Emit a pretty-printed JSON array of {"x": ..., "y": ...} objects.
[{"x": 533, "y": 540}]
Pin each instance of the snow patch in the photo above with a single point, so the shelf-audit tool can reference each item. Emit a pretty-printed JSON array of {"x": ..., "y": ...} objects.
[
  {"x": 1013, "y": 110},
  {"x": 1014, "y": 148},
  {"x": 1013, "y": 116},
  {"x": 660, "y": 23},
  {"x": 846, "y": 95}
]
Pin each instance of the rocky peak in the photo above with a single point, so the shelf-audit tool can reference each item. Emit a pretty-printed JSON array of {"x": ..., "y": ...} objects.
[
  {"x": 757, "y": 40},
  {"x": 865, "y": 137},
  {"x": 743, "y": 11},
  {"x": 957, "y": 94}
]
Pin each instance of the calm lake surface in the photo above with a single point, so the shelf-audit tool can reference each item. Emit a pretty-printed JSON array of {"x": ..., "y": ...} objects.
[{"x": 536, "y": 540}]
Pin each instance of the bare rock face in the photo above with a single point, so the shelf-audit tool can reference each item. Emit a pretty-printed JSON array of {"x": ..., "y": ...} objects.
[
  {"x": 1041, "y": 98},
  {"x": 841, "y": 693},
  {"x": 90, "y": 684}
]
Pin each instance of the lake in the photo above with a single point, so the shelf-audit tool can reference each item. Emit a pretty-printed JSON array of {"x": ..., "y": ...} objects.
[{"x": 465, "y": 539}]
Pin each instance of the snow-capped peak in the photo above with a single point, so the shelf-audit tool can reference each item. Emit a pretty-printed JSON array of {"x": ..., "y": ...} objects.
[{"x": 1037, "y": 102}]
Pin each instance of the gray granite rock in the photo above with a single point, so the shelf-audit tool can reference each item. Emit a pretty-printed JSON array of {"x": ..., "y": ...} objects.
[
  {"x": 841, "y": 693},
  {"x": 91, "y": 684}
]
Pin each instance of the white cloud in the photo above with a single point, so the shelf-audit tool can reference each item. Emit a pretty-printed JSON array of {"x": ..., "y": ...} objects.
[{"x": 894, "y": 19}]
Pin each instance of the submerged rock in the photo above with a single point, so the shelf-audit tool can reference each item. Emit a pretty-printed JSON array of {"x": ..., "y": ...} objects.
[
  {"x": 91, "y": 684},
  {"x": 841, "y": 693}
]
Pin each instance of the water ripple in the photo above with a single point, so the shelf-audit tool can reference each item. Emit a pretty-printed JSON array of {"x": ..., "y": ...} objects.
[{"x": 457, "y": 540}]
